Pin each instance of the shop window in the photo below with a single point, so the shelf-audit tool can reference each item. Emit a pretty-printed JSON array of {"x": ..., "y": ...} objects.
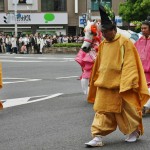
[
  {"x": 25, "y": 2},
  {"x": 22, "y": 1},
  {"x": 53, "y": 5},
  {"x": 1, "y": 5},
  {"x": 95, "y": 4}
]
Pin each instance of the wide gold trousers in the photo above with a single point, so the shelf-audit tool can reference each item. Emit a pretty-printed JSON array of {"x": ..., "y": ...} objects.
[{"x": 127, "y": 121}]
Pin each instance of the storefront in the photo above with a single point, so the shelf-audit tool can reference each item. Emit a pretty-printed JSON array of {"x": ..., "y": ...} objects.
[{"x": 45, "y": 23}]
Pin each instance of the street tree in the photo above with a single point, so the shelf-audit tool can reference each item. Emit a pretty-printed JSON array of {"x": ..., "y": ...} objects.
[{"x": 134, "y": 10}]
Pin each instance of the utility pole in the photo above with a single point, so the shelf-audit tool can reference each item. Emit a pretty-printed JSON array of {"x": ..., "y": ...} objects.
[
  {"x": 15, "y": 13},
  {"x": 76, "y": 4},
  {"x": 88, "y": 9},
  {"x": 89, "y": 14}
]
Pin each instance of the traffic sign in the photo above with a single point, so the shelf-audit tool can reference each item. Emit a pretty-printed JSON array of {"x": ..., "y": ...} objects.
[{"x": 82, "y": 21}]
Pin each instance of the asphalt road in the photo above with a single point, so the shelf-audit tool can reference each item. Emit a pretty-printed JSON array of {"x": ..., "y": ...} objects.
[{"x": 45, "y": 108}]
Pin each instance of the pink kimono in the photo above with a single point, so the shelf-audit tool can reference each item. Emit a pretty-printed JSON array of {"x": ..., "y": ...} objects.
[
  {"x": 86, "y": 61},
  {"x": 143, "y": 47}
]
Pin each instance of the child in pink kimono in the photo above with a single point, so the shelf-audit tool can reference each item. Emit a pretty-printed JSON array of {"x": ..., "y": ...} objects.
[
  {"x": 143, "y": 47},
  {"x": 86, "y": 61}
]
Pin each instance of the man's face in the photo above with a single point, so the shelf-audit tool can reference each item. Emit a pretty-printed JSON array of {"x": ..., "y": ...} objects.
[
  {"x": 109, "y": 35},
  {"x": 145, "y": 30}
]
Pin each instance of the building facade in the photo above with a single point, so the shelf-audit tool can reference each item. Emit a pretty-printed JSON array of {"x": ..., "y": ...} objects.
[{"x": 50, "y": 16}]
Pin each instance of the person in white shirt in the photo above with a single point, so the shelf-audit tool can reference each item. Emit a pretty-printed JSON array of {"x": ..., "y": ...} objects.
[
  {"x": 25, "y": 40},
  {"x": 14, "y": 44},
  {"x": 42, "y": 43},
  {"x": 65, "y": 39}
]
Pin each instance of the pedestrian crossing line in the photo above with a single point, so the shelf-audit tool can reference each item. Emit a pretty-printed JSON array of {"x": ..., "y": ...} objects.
[{"x": 27, "y": 100}]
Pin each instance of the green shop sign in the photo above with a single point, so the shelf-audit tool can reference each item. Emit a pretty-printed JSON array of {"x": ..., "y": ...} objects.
[{"x": 49, "y": 17}]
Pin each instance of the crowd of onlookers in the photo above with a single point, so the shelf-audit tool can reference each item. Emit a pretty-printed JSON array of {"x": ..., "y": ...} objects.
[{"x": 26, "y": 44}]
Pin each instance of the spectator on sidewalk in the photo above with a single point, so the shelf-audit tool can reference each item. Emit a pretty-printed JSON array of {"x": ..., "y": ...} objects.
[
  {"x": 23, "y": 49},
  {"x": 25, "y": 40},
  {"x": 42, "y": 44},
  {"x": 20, "y": 40},
  {"x": 14, "y": 44},
  {"x": 65, "y": 39},
  {"x": 8, "y": 44},
  {"x": 3, "y": 48}
]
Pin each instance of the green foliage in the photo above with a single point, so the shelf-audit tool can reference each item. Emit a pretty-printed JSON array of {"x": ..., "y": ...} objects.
[
  {"x": 145, "y": 3},
  {"x": 110, "y": 12},
  {"x": 137, "y": 24},
  {"x": 134, "y": 10},
  {"x": 67, "y": 45}
]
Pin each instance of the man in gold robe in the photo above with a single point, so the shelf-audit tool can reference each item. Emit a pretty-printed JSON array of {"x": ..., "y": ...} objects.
[
  {"x": 1, "y": 84},
  {"x": 118, "y": 87}
]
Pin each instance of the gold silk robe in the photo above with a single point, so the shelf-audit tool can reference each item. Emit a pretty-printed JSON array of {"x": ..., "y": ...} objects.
[{"x": 118, "y": 68}]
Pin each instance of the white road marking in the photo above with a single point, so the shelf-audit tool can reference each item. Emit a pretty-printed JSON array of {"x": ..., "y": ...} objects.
[
  {"x": 8, "y": 60},
  {"x": 53, "y": 58},
  {"x": 67, "y": 77},
  {"x": 33, "y": 61},
  {"x": 45, "y": 98},
  {"x": 30, "y": 80},
  {"x": 22, "y": 81},
  {"x": 15, "y": 102},
  {"x": 28, "y": 59},
  {"x": 25, "y": 100},
  {"x": 19, "y": 57},
  {"x": 15, "y": 78}
]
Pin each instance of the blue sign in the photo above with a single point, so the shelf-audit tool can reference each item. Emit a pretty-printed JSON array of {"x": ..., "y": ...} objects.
[
  {"x": 118, "y": 20},
  {"x": 22, "y": 17},
  {"x": 82, "y": 21}
]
